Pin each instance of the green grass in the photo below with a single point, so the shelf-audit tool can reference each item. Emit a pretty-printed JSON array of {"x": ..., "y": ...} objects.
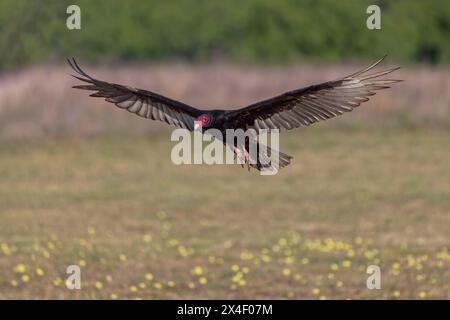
[{"x": 349, "y": 199}]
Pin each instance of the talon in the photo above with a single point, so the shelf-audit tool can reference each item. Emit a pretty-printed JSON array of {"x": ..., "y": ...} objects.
[
  {"x": 238, "y": 154},
  {"x": 243, "y": 155},
  {"x": 247, "y": 159}
]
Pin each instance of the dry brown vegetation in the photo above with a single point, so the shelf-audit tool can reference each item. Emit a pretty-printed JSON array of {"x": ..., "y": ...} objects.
[{"x": 40, "y": 102}]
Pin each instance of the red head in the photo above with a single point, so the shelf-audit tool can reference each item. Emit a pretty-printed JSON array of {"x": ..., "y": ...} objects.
[{"x": 202, "y": 121}]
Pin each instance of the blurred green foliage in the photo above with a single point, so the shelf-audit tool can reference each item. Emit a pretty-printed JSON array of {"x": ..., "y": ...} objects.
[{"x": 196, "y": 30}]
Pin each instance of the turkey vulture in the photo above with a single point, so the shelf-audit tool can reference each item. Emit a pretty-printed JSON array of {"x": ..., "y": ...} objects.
[{"x": 289, "y": 110}]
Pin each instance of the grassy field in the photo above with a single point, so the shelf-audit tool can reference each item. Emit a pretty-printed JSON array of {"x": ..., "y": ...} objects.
[{"x": 141, "y": 227}]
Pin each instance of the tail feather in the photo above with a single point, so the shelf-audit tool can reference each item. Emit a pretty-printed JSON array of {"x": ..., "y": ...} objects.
[{"x": 266, "y": 162}]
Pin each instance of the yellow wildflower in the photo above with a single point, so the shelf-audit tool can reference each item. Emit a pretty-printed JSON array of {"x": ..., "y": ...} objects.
[
  {"x": 149, "y": 276},
  {"x": 133, "y": 289},
  {"x": 57, "y": 281},
  {"x": 20, "y": 268},
  {"x": 346, "y": 263},
  {"x": 197, "y": 271},
  {"x": 39, "y": 272},
  {"x": 147, "y": 238},
  {"x": 158, "y": 286},
  {"x": 5, "y": 248},
  {"x": 286, "y": 272}
]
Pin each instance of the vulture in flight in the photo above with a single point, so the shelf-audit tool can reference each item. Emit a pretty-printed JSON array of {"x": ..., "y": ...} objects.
[{"x": 293, "y": 109}]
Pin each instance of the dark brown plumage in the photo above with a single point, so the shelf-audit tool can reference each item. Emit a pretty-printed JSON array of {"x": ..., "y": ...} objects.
[{"x": 293, "y": 109}]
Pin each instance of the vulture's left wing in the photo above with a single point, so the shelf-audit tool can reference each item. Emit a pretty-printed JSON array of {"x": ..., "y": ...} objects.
[
  {"x": 308, "y": 105},
  {"x": 144, "y": 103}
]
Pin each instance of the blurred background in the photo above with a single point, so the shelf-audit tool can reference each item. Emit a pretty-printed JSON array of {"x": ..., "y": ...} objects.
[{"x": 84, "y": 183}]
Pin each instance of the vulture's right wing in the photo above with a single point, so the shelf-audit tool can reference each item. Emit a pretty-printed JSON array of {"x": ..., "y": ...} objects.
[{"x": 141, "y": 102}]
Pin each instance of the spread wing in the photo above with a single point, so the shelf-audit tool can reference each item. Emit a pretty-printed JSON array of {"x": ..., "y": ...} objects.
[
  {"x": 141, "y": 102},
  {"x": 308, "y": 105}
]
